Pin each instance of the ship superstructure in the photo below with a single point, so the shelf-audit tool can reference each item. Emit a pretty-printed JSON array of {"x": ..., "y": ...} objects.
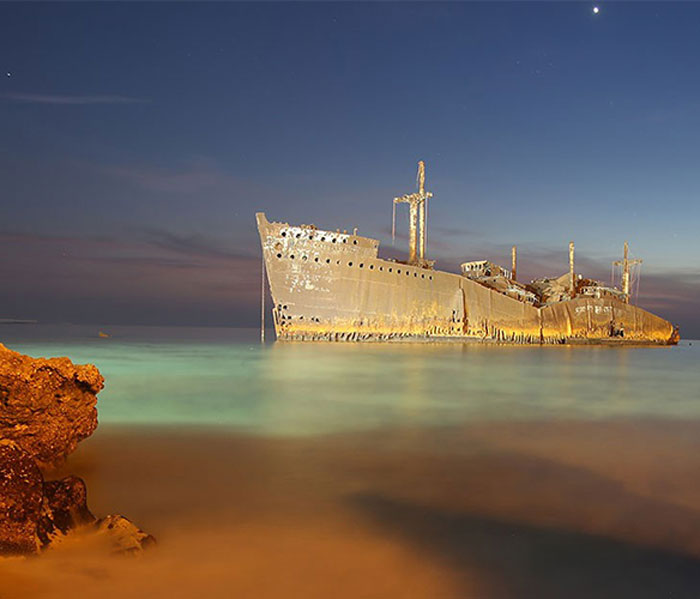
[{"x": 333, "y": 285}]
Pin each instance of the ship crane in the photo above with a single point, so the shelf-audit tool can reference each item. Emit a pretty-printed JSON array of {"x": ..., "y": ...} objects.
[
  {"x": 625, "y": 264},
  {"x": 417, "y": 219}
]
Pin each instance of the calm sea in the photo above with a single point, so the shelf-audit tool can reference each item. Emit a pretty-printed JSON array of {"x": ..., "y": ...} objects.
[
  {"x": 225, "y": 377},
  {"x": 420, "y": 471}
]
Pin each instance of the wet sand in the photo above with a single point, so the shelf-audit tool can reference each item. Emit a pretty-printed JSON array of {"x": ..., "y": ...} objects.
[{"x": 490, "y": 510}]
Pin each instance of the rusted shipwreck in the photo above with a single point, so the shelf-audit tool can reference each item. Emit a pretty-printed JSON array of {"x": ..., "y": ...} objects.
[{"x": 332, "y": 285}]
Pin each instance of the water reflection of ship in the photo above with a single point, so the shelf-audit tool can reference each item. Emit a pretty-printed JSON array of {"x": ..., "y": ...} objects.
[{"x": 332, "y": 285}]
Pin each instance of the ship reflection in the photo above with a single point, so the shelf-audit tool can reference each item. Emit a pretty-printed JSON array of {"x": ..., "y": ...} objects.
[{"x": 320, "y": 388}]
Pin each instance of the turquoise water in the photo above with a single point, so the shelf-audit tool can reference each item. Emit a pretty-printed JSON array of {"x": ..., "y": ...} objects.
[{"x": 225, "y": 377}]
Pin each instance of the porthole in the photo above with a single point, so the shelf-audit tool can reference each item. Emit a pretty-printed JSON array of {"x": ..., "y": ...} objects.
[
  {"x": 354, "y": 241},
  {"x": 361, "y": 265},
  {"x": 415, "y": 274},
  {"x": 323, "y": 239},
  {"x": 381, "y": 268},
  {"x": 349, "y": 263},
  {"x": 422, "y": 276},
  {"x": 316, "y": 259},
  {"x": 284, "y": 233},
  {"x": 398, "y": 272},
  {"x": 311, "y": 237},
  {"x": 303, "y": 257},
  {"x": 284, "y": 307},
  {"x": 431, "y": 277},
  {"x": 371, "y": 266},
  {"x": 279, "y": 255},
  {"x": 292, "y": 256},
  {"x": 328, "y": 260},
  {"x": 345, "y": 240},
  {"x": 298, "y": 235},
  {"x": 334, "y": 240},
  {"x": 390, "y": 270}
]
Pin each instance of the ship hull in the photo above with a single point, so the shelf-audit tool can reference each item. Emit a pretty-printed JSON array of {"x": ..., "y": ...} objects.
[{"x": 333, "y": 286}]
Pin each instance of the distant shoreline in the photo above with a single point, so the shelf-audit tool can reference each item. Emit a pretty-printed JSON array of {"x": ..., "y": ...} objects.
[{"x": 17, "y": 321}]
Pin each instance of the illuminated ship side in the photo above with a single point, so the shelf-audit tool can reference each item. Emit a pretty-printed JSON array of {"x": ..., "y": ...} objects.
[{"x": 332, "y": 285}]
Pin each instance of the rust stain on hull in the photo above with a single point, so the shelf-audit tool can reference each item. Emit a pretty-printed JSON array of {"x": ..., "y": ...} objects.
[{"x": 333, "y": 286}]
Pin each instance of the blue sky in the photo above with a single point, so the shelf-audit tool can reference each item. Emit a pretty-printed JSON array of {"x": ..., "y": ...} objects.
[{"x": 138, "y": 140}]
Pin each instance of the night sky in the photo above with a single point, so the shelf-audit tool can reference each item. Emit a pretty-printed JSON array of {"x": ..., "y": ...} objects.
[{"x": 138, "y": 140}]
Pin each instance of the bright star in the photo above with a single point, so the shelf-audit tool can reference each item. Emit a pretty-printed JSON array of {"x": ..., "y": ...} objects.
[
  {"x": 9, "y": 74},
  {"x": 596, "y": 10}
]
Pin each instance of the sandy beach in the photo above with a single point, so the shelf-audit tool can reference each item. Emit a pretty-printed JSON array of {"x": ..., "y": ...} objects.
[{"x": 572, "y": 509}]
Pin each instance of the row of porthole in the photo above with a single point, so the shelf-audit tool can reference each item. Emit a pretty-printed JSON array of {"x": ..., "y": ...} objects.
[
  {"x": 362, "y": 265},
  {"x": 280, "y": 307},
  {"x": 289, "y": 317},
  {"x": 323, "y": 238}
]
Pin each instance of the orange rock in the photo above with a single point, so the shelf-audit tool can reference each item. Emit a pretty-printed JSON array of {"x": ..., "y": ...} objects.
[
  {"x": 47, "y": 405},
  {"x": 21, "y": 491}
]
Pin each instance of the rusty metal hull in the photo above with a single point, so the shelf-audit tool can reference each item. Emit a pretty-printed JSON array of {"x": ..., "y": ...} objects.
[{"x": 333, "y": 286}]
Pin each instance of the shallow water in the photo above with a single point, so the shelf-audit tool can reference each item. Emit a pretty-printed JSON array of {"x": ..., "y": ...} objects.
[
  {"x": 225, "y": 377},
  {"x": 383, "y": 470}
]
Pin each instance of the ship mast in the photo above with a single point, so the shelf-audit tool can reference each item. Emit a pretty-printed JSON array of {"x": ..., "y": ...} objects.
[
  {"x": 625, "y": 263},
  {"x": 572, "y": 276},
  {"x": 417, "y": 219}
]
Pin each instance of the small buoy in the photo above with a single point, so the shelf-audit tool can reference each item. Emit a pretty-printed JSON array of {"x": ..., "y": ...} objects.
[{"x": 103, "y": 335}]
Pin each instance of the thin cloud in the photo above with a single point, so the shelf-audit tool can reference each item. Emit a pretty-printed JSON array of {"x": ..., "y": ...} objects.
[
  {"x": 454, "y": 232},
  {"x": 69, "y": 100},
  {"x": 137, "y": 261},
  {"x": 191, "y": 244},
  {"x": 195, "y": 177}
]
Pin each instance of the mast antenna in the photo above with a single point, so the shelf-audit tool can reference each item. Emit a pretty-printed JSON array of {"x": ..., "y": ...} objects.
[
  {"x": 624, "y": 265},
  {"x": 572, "y": 276}
]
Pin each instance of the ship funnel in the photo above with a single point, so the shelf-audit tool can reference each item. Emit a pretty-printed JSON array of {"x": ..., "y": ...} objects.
[{"x": 514, "y": 262}]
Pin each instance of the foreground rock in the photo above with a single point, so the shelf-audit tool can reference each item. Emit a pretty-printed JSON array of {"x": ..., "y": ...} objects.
[
  {"x": 64, "y": 508},
  {"x": 21, "y": 495},
  {"x": 35, "y": 515},
  {"x": 47, "y": 405},
  {"x": 46, "y": 408},
  {"x": 124, "y": 536}
]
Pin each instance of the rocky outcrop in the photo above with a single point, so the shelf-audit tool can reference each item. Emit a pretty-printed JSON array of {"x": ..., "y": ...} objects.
[
  {"x": 21, "y": 495},
  {"x": 47, "y": 405},
  {"x": 124, "y": 536},
  {"x": 64, "y": 508},
  {"x": 35, "y": 514}
]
